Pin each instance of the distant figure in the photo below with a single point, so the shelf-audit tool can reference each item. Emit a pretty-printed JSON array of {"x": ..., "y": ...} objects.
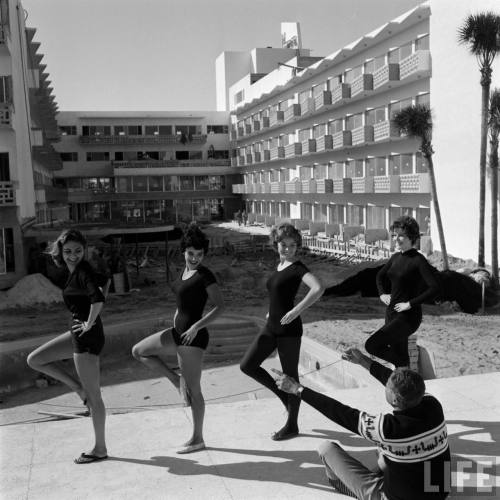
[
  {"x": 239, "y": 217},
  {"x": 283, "y": 329},
  {"x": 192, "y": 289},
  {"x": 84, "y": 294},
  {"x": 412, "y": 441},
  {"x": 412, "y": 282},
  {"x": 244, "y": 216}
]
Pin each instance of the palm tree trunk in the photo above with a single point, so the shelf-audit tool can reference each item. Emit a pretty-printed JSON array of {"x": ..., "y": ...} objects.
[
  {"x": 437, "y": 211},
  {"x": 485, "y": 99},
  {"x": 494, "y": 208}
]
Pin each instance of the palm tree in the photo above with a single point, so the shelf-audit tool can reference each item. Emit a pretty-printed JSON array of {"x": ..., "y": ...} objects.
[
  {"x": 494, "y": 124},
  {"x": 481, "y": 32},
  {"x": 416, "y": 121}
]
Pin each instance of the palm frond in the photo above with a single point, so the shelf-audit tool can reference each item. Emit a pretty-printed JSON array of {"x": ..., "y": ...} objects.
[
  {"x": 481, "y": 32},
  {"x": 415, "y": 121}
]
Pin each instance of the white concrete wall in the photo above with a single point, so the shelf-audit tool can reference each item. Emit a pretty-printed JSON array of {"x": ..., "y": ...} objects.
[
  {"x": 456, "y": 104},
  {"x": 230, "y": 67}
]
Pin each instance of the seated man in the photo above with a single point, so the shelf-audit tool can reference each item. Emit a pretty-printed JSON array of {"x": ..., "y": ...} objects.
[{"x": 414, "y": 457}]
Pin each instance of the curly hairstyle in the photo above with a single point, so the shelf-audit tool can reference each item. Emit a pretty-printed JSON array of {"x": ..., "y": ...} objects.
[
  {"x": 408, "y": 387},
  {"x": 409, "y": 226},
  {"x": 194, "y": 237},
  {"x": 66, "y": 236},
  {"x": 283, "y": 231}
]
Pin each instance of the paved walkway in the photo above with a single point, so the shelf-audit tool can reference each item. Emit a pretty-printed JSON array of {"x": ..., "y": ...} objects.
[{"x": 241, "y": 462}]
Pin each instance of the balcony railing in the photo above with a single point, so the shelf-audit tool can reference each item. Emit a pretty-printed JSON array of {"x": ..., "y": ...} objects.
[
  {"x": 386, "y": 184},
  {"x": 241, "y": 161},
  {"x": 308, "y": 146},
  {"x": 324, "y": 186},
  {"x": 266, "y": 187},
  {"x": 238, "y": 188},
  {"x": 142, "y": 139},
  {"x": 362, "y": 84},
  {"x": 276, "y": 117},
  {"x": 278, "y": 152},
  {"x": 309, "y": 186},
  {"x": 173, "y": 163},
  {"x": 324, "y": 142},
  {"x": 323, "y": 99},
  {"x": 294, "y": 149},
  {"x": 307, "y": 106},
  {"x": 362, "y": 135},
  {"x": 291, "y": 112},
  {"x": 384, "y": 130},
  {"x": 341, "y": 139},
  {"x": 362, "y": 184},
  {"x": 293, "y": 187},
  {"x": 277, "y": 187},
  {"x": 342, "y": 185},
  {"x": 385, "y": 74},
  {"x": 7, "y": 193},
  {"x": 341, "y": 92},
  {"x": 416, "y": 64},
  {"x": 415, "y": 183},
  {"x": 5, "y": 114}
]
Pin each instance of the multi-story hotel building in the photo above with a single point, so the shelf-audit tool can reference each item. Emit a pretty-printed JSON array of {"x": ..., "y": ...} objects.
[
  {"x": 28, "y": 130},
  {"x": 146, "y": 168},
  {"x": 314, "y": 138}
]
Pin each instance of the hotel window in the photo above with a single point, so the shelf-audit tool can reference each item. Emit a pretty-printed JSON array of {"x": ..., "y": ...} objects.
[
  {"x": 335, "y": 126},
  {"x": 239, "y": 96},
  {"x": 400, "y": 164},
  {"x": 188, "y": 129},
  {"x": 319, "y": 130},
  {"x": 217, "y": 183},
  {"x": 91, "y": 130},
  {"x": 373, "y": 64},
  {"x": 354, "y": 121},
  {"x": 336, "y": 170},
  {"x": 304, "y": 134},
  {"x": 201, "y": 183},
  {"x": 172, "y": 183},
  {"x": 148, "y": 155},
  {"x": 218, "y": 129},
  {"x": 67, "y": 129},
  {"x": 6, "y": 89},
  {"x": 140, "y": 183},
  {"x": 351, "y": 74},
  {"x": 158, "y": 129},
  {"x": 421, "y": 164},
  {"x": 69, "y": 156},
  {"x": 4, "y": 167},
  {"x": 155, "y": 183},
  {"x": 424, "y": 99},
  {"x": 306, "y": 211},
  {"x": 186, "y": 183},
  {"x": 124, "y": 184},
  {"x": 422, "y": 43},
  {"x": 320, "y": 171},
  {"x": 333, "y": 82},
  {"x": 337, "y": 214},
  {"x": 7, "y": 258},
  {"x": 220, "y": 154},
  {"x": 74, "y": 183},
  {"x": 97, "y": 156},
  {"x": 304, "y": 96},
  {"x": 394, "y": 107},
  {"x": 354, "y": 215},
  {"x": 306, "y": 173},
  {"x": 376, "y": 115},
  {"x": 400, "y": 53}
]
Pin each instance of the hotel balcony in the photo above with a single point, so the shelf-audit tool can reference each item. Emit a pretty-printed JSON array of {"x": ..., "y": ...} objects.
[
  {"x": 7, "y": 194},
  {"x": 341, "y": 92},
  {"x": 141, "y": 139},
  {"x": 294, "y": 149},
  {"x": 384, "y": 130},
  {"x": 277, "y": 187},
  {"x": 234, "y": 162},
  {"x": 362, "y": 185},
  {"x": 249, "y": 159},
  {"x": 362, "y": 135},
  {"x": 256, "y": 125},
  {"x": 267, "y": 154},
  {"x": 324, "y": 186},
  {"x": 307, "y": 106},
  {"x": 255, "y": 188},
  {"x": 237, "y": 188},
  {"x": 309, "y": 186},
  {"x": 266, "y": 188},
  {"x": 276, "y": 118},
  {"x": 292, "y": 112},
  {"x": 341, "y": 139},
  {"x": 233, "y": 134},
  {"x": 417, "y": 65},
  {"x": 278, "y": 152},
  {"x": 5, "y": 114},
  {"x": 241, "y": 161},
  {"x": 385, "y": 75},
  {"x": 362, "y": 83},
  {"x": 257, "y": 157},
  {"x": 324, "y": 142},
  {"x": 415, "y": 183},
  {"x": 240, "y": 132},
  {"x": 323, "y": 99},
  {"x": 265, "y": 122},
  {"x": 386, "y": 184},
  {"x": 341, "y": 186},
  {"x": 293, "y": 187},
  {"x": 248, "y": 128},
  {"x": 174, "y": 163},
  {"x": 309, "y": 146}
]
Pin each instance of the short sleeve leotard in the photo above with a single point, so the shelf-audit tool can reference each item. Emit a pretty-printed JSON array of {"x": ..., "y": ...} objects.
[
  {"x": 80, "y": 291},
  {"x": 283, "y": 286},
  {"x": 191, "y": 297}
]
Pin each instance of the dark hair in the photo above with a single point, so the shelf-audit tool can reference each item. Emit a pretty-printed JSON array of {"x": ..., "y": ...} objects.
[
  {"x": 408, "y": 387},
  {"x": 409, "y": 226},
  {"x": 66, "y": 236},
  {"x": 194, "y": 237},
  {"x": 283, "y": 231}
]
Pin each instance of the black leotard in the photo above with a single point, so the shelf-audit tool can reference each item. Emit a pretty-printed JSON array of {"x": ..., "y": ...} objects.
[
  {"x": 79, "y": 293},
  {"x": 283, "y": 286},
  {"x": 191, "y": 297}
]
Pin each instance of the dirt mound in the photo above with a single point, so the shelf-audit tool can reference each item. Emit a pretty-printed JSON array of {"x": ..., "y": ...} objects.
[{"x": 29, "y": 291}]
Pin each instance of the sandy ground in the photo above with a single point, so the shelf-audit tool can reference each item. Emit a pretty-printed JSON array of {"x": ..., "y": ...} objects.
[{"x": 461, "y": 343}]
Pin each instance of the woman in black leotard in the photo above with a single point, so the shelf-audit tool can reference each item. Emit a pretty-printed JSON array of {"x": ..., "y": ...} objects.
[
  {"x": 83, "y": 294},
  {"x": 409, "y": 273},
  {"x": 192, "y": 288},
  {"x": 283, "y": 328}
]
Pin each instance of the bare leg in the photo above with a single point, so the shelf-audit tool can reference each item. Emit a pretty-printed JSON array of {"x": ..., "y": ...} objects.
[
  {"x": 191, "y": 361},
  {"x": 87, "y": 367},
  {"x": 46, "y": 359}
]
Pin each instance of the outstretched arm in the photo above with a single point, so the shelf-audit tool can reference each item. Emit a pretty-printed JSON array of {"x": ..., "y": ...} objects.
[{"x": 380, "y": 372}]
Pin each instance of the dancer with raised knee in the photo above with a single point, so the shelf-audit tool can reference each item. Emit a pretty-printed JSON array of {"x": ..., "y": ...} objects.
[
  {"x": 283, "y": 329},
  {"x": 195, "y": 285},
  {"x": 412, "y": 281},
  {"x": 84, "y": 295}
]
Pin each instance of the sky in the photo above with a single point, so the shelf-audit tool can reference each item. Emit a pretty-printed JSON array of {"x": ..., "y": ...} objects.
[{"x": 145, "y": 55}]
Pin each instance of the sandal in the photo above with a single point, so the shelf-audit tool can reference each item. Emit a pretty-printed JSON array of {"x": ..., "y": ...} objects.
[{"x": 85, "y": 458}]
